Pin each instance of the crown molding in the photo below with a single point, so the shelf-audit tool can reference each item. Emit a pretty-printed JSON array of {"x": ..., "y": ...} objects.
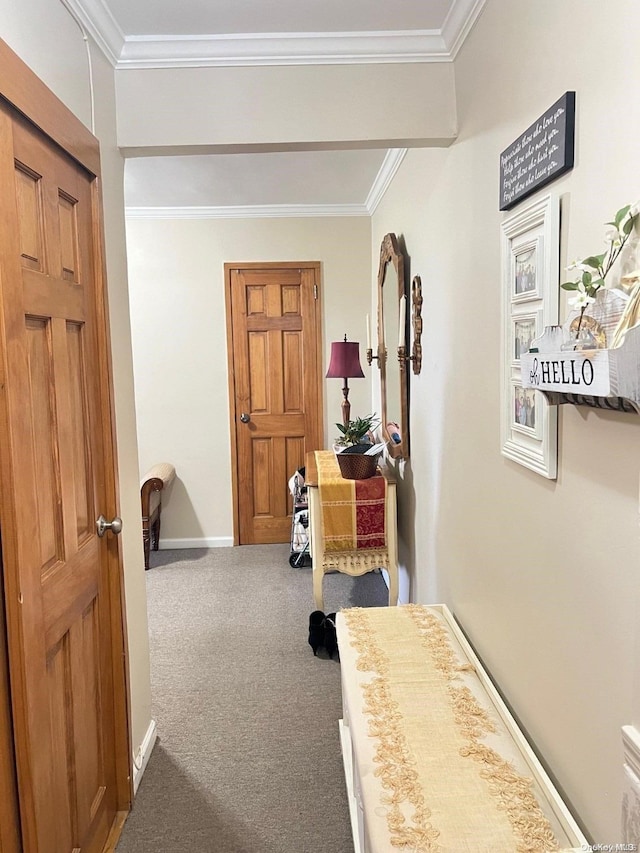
[
  {"x": 389, "y": 167},
  {"x": 459, "y": 22},
  {"x": 282, "y": 49},
  {"x": 186, "y": 51},
  {"x": 260, "y": 211},
  {"x": 97, "y": 20}
]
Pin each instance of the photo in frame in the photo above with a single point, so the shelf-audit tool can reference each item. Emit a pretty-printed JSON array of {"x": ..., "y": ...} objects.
[
  {"x": 525, "y": 278},
  {"x": 525, "y": 401},
  {"x": 530, "y": 248},
  {"x": 524, "y": 328}
]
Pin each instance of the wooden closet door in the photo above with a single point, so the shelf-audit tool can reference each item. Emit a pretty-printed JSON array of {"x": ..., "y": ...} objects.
[
  {"x": 276, "y": 387},
  {"x": 52, "y": 489}
]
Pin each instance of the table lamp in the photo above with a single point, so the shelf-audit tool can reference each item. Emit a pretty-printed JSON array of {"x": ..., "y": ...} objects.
[{"x": 345, "y": 364}]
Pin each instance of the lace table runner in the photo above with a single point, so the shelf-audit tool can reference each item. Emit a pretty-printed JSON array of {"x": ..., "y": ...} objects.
[{"x": 442, "y": 781}]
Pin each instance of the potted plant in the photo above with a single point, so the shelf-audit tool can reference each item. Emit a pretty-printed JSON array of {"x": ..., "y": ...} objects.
[
  {"x": 353, "y": 434},
  {"x": 352, "y": 446}
]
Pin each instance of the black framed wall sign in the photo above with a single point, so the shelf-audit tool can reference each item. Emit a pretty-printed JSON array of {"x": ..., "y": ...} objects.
[{"x": 539, "y": 155}]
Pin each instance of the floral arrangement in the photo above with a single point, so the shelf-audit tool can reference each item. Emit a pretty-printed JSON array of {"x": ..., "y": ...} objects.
[{"x": 593, "y": 270}]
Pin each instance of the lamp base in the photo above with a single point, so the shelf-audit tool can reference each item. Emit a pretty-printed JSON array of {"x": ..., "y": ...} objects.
[{"x": 346, "y": 405}]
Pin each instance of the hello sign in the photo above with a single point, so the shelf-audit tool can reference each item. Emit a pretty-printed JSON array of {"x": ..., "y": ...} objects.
[{"x": 573, "y": 372}]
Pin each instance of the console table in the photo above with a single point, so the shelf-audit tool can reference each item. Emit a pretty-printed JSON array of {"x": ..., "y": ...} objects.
[{"x": 351, "y": 560}]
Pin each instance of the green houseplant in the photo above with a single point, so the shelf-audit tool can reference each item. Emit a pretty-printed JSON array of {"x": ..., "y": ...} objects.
[
  {"x": 353, "y": 432},
  {"x": 352, "y": 446}
]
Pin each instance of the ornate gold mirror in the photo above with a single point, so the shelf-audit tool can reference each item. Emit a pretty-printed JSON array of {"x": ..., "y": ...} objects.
[{"x": 392, "y": 325}]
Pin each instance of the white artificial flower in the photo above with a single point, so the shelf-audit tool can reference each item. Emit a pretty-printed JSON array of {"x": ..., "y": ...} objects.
[
  {"x": 582, "y": 298},
  {"x": 612, "y": 237},
  {"x": 634, "y": 210},
  {"x": 574, "y": 265}
]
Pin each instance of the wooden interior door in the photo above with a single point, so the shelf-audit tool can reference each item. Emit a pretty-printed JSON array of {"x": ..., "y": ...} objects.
[
  {"x": 9, "y": 808},
  {"x": 53, "y": 485},
  {"x": 273, "y": 321}
]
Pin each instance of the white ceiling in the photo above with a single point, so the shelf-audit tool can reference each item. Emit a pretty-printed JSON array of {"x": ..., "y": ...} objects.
[
  {"x": 218, "y": 17},
  {"x": 349, "y": 182},
  {"x": 244, "y": 180}
]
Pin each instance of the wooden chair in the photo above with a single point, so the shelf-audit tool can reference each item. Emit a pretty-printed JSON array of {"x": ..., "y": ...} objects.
[{"x": 154, "y": 481}]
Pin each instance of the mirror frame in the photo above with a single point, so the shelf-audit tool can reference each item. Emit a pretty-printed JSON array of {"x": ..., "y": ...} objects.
[{"x": 390, "y": 254}]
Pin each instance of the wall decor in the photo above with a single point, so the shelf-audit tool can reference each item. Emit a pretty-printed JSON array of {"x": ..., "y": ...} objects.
[
  {"x": 539, "y": 155},
  {"x": 391, "y": 348},
  {"x": 530, "y": 300},
  {"x": 416, "y": 319},
  {"x": 593, "y": 358},
  {"x": 601, "y": 378}
]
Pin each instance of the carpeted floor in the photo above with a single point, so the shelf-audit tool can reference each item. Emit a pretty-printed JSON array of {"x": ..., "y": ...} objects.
[{"x": 248, "y": 757}]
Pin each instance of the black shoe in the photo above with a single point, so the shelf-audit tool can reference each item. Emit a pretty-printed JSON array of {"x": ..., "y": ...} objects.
[
  {"x": 316, "y": 630},
  {"x": 330, "y": 636}
]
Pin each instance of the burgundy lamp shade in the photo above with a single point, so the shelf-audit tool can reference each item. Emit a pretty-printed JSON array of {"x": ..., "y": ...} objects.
[
  {"x": 345, "y": 364},
  {"x": 345, "y": 360}
]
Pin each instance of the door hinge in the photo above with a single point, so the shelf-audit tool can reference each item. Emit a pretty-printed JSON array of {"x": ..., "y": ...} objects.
[{"x": 315, "y": 291}]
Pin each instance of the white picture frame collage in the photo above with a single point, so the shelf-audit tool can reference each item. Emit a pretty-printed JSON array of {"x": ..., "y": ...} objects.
[{"x": 530, "y": 297}]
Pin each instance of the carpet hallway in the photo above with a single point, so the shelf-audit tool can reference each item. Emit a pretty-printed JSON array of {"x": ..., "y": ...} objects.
[{"x": 248, "y": 756}]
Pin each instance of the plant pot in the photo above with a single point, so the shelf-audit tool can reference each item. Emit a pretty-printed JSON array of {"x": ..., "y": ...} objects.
[{"x": 355, "y": 464}]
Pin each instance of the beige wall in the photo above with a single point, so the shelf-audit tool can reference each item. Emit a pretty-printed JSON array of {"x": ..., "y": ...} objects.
[
  {"x": 62, "y": 63},
  {"x": 298, "y": 105},
  {"x": 543, "y": 575},
  {"x": 176, "y": 269},
  {"x": 69, "y": 79}
]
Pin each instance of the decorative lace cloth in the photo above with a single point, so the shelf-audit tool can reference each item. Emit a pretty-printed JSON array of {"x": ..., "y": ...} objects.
[
  {"x": 437, "y": 766},
  {"x": 353, "y": 511}
]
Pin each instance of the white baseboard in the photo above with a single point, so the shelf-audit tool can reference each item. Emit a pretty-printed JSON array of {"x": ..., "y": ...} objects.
[
  {"x": 204, "y": 542},
  {"x": 141, "y": 759},
  {"x": 630, "y": 818}
]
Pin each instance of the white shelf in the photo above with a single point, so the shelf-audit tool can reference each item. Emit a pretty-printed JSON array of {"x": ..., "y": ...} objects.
[{"x": 600, "y": 378}]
